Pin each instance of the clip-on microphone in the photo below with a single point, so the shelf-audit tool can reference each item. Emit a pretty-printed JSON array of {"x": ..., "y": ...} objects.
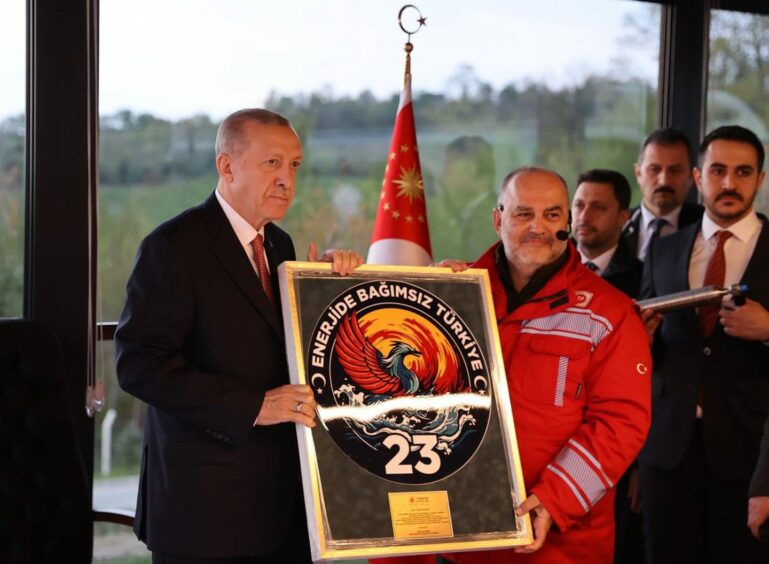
[{"x": 563, "y": 234}]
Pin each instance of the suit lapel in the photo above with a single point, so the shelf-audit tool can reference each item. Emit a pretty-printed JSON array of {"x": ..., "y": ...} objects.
[
  {"x": 620, "y": 260},
  {"x": 755, "y": 274},
  {"x": 680, "y": 268},
  {"x": 630, "y": 231},
  {"x": 230, "y": 254}
]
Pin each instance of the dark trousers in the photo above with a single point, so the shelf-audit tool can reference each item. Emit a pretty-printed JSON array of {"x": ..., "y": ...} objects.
[
  {"x": 692, "y": 516},
  {"x": 294, "y": 550},
  {"x": 629, "y": 543}
]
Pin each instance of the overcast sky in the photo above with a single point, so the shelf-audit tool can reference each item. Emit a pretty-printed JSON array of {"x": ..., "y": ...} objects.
[{"x": 176, "y": 58}]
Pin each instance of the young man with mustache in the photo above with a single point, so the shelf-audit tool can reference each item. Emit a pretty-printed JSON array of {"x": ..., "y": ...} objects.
[
  {"x": 710, "y": 387},
  {"x": 663, "y": 173}
]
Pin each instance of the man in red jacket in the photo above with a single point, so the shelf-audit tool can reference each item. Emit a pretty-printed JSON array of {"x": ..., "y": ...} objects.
[{"x": 578, "y": 369}]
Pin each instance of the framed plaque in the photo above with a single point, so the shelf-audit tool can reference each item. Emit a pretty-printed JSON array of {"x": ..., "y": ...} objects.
[{"x": 415, "y": 450}]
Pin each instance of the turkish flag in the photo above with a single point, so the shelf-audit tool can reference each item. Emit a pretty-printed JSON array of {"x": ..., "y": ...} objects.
[{"x": 400, "y": 232}]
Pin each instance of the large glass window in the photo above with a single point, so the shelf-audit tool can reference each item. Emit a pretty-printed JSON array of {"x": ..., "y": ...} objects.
[
  {"x": 500, "y": 85},
  {"x": 549, "y": 83},
  {"x": 12, "y": 103},
  {"x": 738, "y": 79}
]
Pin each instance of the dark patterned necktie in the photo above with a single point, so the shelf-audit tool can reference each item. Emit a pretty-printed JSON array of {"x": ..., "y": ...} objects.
[
  {"x": 714, "y": 276},
  {"x": 656, "y": 226},
  {"x": 261, "y": 266},
  {"x": 591, "y": 265}
]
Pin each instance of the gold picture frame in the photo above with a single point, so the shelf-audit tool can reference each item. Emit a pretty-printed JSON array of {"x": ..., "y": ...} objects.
[{"x": 415, "y": 451}]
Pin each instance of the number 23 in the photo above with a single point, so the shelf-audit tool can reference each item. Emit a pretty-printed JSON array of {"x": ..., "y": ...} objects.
[{"x": 426, "y": 453}]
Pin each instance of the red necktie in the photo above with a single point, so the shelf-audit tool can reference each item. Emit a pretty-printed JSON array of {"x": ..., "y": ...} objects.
[
  {"x": 261, "y": 266},
  {"x": 714, "y": 276}
]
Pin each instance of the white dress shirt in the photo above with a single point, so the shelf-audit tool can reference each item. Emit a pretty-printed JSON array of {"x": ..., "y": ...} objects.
[
  {"x": 244, "y": 231},
  {"x": 737, "y": 249},
  {"x": 645, "y": 229},
  {"x": 601, "y": 261}
]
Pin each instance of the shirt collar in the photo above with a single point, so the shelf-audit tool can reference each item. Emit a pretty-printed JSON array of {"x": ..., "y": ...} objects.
[
  {"x": 647, "y": 216},
  {"x": 601, "y": 261},
  {"x": 744, "y": 229},
  {"x": 244, "y": 231}
]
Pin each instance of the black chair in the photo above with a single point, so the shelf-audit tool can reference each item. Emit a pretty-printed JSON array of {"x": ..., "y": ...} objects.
[{"x": 45, "y": 497}]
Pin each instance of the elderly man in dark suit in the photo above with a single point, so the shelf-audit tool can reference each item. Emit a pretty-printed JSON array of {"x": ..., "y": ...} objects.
[
  {"x": 711, "y": 366},
  {"x": 663, "y": 173},
  {"x": 201, "y": 341}
]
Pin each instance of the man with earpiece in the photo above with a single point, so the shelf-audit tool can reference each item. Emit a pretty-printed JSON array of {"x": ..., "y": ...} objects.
[
  {"x": 578, "y": 370},
  {"x": 664, "y": 176}
]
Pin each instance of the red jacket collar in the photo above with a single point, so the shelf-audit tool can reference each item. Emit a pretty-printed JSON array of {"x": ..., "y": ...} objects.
[{"x": 556, "y": 295}]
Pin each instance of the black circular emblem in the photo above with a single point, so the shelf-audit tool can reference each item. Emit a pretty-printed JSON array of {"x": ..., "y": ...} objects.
[{"x": 401, "y": 383}]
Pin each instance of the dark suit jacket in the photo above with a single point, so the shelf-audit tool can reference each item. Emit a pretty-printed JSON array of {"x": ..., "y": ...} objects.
[
  {"x": 690, "y": 213},
  {"x": 200, "y": 343},
  {"x": 759, "y": 484},
  {"x": 733, "y": 374},
  {"x": 624, "y": 270}
]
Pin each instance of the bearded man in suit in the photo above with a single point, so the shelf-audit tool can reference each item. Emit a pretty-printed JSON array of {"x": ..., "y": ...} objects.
[{"x": 599, "y": 209}]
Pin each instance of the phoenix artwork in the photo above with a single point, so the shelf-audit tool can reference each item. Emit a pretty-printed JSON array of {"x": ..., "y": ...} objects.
[{"x": 399, "y": 398}]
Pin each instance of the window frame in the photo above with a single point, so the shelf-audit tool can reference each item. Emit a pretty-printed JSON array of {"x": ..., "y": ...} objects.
[{"x": 60, "y": 188}]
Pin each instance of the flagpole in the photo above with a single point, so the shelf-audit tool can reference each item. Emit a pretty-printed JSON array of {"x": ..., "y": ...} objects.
[
  {"x": 407, "y": 71},
  {"x": 421, "y": 21}
]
